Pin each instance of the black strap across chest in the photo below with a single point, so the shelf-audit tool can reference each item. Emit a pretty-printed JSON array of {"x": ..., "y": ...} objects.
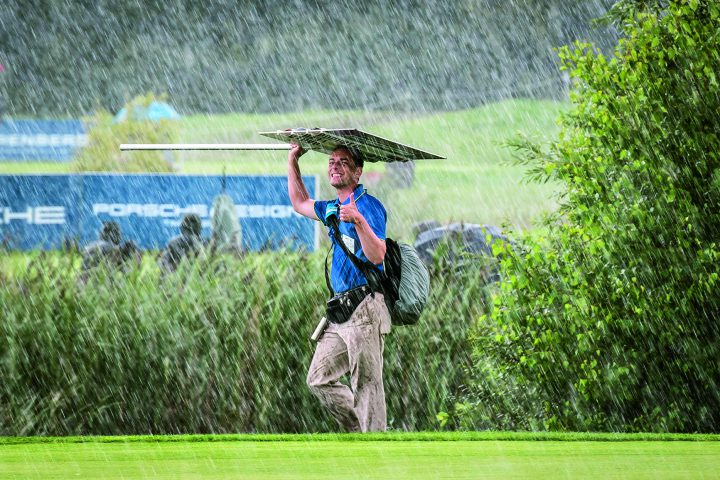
[{"x": 372, "y": 273}]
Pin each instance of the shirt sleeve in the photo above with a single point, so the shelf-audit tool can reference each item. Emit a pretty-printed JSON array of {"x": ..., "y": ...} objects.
[
  {"x": 320, "y": 207},
  {"x": 375, "y": 214}
]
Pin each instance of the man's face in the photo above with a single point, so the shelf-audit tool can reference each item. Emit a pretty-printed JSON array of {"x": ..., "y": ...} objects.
[{"x": 342, "y": 171}]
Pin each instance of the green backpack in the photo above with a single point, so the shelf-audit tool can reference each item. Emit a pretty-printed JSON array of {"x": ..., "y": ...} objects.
[
  {"x": 406, "y": 283},
  {"x": 404, "y": 280}
]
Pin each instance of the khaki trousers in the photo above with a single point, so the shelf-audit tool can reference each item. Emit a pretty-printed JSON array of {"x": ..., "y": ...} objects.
[{"x": 354, "y": 347}]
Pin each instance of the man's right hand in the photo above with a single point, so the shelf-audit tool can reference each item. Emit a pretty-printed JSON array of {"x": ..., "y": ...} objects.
[{"x": 296, "y": 151}]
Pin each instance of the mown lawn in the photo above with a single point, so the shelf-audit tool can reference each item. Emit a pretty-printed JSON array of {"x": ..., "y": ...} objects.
[{"x": 392, "y": 456}]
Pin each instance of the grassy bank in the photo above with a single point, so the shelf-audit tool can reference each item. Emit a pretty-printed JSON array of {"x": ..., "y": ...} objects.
[{"x": 475, "y": 184}]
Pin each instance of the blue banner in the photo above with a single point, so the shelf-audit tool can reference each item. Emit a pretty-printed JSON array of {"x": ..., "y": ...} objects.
[
  {"x": 35, "y": 140},
  {"x": 48, "y": 211},
  {"x": 37, "y": 211}
]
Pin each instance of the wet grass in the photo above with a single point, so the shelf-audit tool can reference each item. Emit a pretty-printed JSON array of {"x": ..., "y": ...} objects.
[
  {"x": 390, "y": 436},
  {"x": 397, "y": 456}
]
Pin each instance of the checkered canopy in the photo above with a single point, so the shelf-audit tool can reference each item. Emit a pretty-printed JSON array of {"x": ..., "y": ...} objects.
[{"x": 371, "y": 147}]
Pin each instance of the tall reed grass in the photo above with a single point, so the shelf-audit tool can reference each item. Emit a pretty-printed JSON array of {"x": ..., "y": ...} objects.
[{"x": 219, "y": 346}]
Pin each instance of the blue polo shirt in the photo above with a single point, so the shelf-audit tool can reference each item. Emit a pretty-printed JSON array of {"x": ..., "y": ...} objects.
[{"x": 344, "y": 274}]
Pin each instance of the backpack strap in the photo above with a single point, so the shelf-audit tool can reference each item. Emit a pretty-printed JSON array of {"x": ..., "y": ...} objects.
[
  {"x": 327, "y": 276},
  {"x": 372, "y": 273}
]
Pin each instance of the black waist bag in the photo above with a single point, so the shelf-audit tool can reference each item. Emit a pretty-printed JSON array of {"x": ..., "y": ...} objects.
[{"x": 340, "y": 308}]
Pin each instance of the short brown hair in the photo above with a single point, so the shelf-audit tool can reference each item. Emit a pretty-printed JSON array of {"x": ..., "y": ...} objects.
[{"x": 354, "y": 153}]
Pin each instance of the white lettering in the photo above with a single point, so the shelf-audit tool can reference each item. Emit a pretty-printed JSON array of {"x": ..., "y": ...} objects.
[
  {"x": 256, "y": 211},
  {"x": 171, "y": 210},
  {"x": 168, "y": 211},
  {"x": 198, "y": 209},
  {"x": 42, "y": 215},
  {"x": 135, "y": 208},
  {"x": 27, "y": 215},
  {"x": 151, "y": 210},
  {"x": 49, "y": 215},
  {"x": 44, "y": 140},
  {"x": 278, "y": 211},
  {"x": 116, "y": 210},
  {"x": 100, "y": 208},
  {"x": 264, "y": 211}
]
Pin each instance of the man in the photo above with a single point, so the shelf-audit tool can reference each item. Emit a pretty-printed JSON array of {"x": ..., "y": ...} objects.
[
  {"x": 108, "y": 250},
  {"x": 187, "y": 244},
  {"x": 226, "y": 235},
  {"x": 354, "y": 346}
]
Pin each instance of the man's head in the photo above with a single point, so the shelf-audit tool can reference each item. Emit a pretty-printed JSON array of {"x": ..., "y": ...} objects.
[
  {"x": 191, "y": 225},
  {"x": 344, "y": 167},
  {"x": 110, "y": 232}
]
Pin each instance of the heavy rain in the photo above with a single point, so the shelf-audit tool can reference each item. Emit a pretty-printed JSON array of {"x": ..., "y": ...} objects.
[{"x": 502, "y": 219}]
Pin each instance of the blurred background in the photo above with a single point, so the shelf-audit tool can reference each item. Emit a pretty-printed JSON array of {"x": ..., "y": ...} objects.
[{"x": 458, "y": 79}]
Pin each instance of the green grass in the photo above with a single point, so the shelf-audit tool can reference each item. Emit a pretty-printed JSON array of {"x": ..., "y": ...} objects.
[
  {"x": 391, "y": 436},
  {"x": 476, "y": 184},
  {"x": 13, "y": 168},
  {"x": 396, "y": 456}
]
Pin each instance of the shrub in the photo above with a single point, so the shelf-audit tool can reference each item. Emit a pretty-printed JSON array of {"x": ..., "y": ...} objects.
[
  {"x": 610, "y": 322},
  {"x": 102, "y": 154}
]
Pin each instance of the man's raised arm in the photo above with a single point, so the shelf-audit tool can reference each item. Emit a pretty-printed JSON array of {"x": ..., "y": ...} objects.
[{"x": 301, "y": 201}]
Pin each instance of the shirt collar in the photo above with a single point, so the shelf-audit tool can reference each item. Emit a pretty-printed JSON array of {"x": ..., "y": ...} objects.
[{"x": 357, "y": 193}]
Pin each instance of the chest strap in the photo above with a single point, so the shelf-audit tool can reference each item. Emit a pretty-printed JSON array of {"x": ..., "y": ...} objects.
[{"x": 373, "y": 274}]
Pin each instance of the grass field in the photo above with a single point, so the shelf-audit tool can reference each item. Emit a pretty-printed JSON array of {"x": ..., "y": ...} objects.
[
  {"x": 391, "y": 456},
  {"x": 476, "y": 183}
]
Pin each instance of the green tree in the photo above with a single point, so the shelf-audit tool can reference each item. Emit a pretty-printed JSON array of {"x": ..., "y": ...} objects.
[
  {"x": 102, "y": 154},
  {"x": 609, "y": 320}
]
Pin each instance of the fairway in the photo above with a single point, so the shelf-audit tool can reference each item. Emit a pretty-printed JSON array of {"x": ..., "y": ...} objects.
[{"x": 343, "y": 459}]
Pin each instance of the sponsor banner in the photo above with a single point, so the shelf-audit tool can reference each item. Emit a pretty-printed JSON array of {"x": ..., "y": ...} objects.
[
  {"x": 37, "y": 211},
  {"x": 41, "y": 211},
  {"x": 37, "y": 140}
]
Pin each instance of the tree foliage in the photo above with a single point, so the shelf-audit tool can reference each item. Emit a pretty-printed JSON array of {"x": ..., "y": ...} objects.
[
  {"x": 609, "y": 320},
  {"x": 105, "y": 135}
]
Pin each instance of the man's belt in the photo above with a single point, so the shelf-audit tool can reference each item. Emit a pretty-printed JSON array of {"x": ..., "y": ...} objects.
[{"x": 341, "y": 307}]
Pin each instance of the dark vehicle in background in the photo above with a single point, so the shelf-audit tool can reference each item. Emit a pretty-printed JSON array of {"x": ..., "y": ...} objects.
[{"x": 460, "y": 246}]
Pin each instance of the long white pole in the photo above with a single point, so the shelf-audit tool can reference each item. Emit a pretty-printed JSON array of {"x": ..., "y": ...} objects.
[{"x": 204, "y": 146}]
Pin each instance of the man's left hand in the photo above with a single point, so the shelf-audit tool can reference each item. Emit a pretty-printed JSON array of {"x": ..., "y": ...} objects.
[{"x": 349, "y": 213}]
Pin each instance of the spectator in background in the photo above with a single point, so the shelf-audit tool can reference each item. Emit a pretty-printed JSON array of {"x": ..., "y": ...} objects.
[
  {"x": 188, "y": 244},
  {"x": 109, "y": 250},
  {"x": 226, "y": 236}
]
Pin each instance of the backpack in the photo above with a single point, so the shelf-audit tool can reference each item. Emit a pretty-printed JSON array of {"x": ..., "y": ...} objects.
[{"x": 404, "y": 281}]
